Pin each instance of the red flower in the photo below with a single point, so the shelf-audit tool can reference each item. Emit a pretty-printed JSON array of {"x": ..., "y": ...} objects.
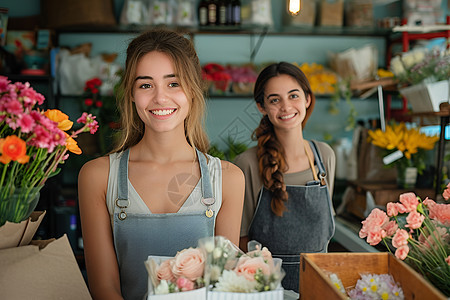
[
  {"x": 88, "y": 101},
  {"x": 98, "y": 103}
]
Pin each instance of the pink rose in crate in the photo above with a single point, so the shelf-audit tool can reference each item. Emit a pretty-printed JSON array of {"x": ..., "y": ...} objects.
[
  {"x": 164, "y": 271},
  {"x": 189, "y": 263},
  {"x": 409, "y": 201},
  {"x": 248, "y": 266}
]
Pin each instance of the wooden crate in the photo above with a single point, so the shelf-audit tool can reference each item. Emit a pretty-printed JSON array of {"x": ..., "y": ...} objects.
[{"x": 315, "y": 283}]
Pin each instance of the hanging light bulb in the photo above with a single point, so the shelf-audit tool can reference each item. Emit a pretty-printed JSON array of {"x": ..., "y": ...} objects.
[{"x": 294, "y": 7}]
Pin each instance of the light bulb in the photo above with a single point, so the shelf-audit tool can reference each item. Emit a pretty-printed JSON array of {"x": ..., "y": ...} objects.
[{"x": 294, "y": 7}]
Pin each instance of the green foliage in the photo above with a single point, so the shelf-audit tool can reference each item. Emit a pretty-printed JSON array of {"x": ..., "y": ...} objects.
[{"x": 234, "y": 149}]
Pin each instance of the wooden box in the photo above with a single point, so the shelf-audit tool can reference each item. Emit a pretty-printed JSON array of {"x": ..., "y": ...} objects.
[{"x": 315, "y": 283}]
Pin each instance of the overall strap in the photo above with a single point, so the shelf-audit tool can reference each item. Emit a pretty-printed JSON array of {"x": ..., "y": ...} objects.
[
  {"x": 122, "y": 201},
  {"x": 318, "y": 159},
  {"x": 206, "y": 182}
]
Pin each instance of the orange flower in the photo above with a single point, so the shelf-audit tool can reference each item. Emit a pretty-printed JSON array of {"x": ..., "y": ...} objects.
[
  {"x": 13, "y": 148},
  {"x": 72, "y": 145},
  {"x": 61, "y": 118}
]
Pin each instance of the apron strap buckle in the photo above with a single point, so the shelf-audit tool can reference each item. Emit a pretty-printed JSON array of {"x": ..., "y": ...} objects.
[{"x": 122, "y": 203}]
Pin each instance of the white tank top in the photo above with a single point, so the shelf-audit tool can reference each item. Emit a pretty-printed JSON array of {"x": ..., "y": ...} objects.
[{"x": 192, "y": 204}]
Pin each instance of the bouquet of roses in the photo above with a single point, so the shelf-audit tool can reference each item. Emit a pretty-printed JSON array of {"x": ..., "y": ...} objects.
[
  {"x": 420, "y": 232},
  {"x": 230, "y": 270},
  {"x": 181, "y": 273},
  {"x": 216, "y": 264}
]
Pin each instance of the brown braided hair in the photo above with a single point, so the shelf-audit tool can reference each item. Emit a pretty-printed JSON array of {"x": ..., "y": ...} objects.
[{"x": 271, "y": 156}]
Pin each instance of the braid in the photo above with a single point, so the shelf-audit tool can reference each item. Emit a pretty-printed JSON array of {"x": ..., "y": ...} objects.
[{"x": 271, "y": 165}]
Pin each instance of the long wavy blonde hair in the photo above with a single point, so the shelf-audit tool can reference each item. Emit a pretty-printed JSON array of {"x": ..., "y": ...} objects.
[{"x": 188, "y": 69}]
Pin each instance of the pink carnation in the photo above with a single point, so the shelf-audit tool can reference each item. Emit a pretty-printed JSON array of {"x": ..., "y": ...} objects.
[
  {"x": 446, "y": 193},
  {"x": 400, "y": 208},
  {"x": 447, "y": 260},
  {"x": 409, "y": 201},
  {"x": 391, "y": 209},
  {"x": 391, "y": 228},
  {"x": 402, "y": 252},
  {"x": 414, "y": 220},
  {"x": 439, "y": 212},
  {"x": 400, "y": 238}
]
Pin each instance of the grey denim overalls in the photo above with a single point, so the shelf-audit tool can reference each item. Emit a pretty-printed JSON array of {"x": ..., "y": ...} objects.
[
  {"x": 136, "y": 236},
  {"x": 306, "y": 226}
]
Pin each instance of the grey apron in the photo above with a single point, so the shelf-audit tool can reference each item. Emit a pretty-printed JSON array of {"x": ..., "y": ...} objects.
[
  {"x": 306, "y": 226},
  {"x": 136, "y": 236}
]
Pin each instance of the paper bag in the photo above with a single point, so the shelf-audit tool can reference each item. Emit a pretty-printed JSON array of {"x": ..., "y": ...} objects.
[
  {"x": 28, "y": 272},
  {"x": 19, "y": 234}
]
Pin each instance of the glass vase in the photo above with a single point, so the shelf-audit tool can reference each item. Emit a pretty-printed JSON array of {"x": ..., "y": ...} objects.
[
  {"x": 406, "y": 176},
  {"x": 17, "y": 205}
]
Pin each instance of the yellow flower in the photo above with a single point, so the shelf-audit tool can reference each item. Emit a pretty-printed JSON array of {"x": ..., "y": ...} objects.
[{"x": 61, "y": 118}]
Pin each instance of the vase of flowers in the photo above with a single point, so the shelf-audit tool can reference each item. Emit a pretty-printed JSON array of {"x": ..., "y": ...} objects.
[
  {"x": 33, "y": 143},
  {"x": 99, "y": 101},
  {"x": 404, "y": 148},
  {"x": 423, "y": 77},
  {"x": 419, "y": 231}
]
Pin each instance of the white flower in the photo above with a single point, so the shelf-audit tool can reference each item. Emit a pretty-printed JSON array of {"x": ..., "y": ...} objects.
[
  {"x": 162, "y": 288},
  {"x": 408, "y": 59},
  {"x": 217, "y": 253},
  {"x": 419, "y": 56},
  {"x": 337, "y": 282},
  {"x": 215, "y": 272},
  {"x": 397, "y": 66},
  {"x": 231, "y": 282},
  {"x": 209, "y": 246}
]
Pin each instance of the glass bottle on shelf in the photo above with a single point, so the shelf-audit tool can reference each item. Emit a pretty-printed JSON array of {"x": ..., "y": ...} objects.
[
  {"x": 229, "y": 12},
  {"x": 236, "y": 4},
  {"x": 212, "y": 12},
  {"x": 203, "y": 13},
  {"x": 221, "y": 13}
]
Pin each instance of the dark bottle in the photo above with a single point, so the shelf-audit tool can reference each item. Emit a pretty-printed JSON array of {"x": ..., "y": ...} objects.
[
  {"x": 203, "y": 13},
  {"x": 236, "y": 4},
  {"x": 229, "y": 13},
  {"x": 212, "y": 12},
  {"x": 221, "y": 12}
]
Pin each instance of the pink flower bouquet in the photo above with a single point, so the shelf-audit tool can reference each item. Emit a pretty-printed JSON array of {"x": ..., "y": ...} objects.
[
  {"x": 33, "y": 143},
  {"x": 419, "y": 231},
  {"x": 179, "y": 274},
  {"x": 232, "y": 274}
]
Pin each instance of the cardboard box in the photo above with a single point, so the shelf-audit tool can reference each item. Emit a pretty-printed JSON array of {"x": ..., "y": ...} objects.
[
  {"x": 315, "y": 283},
  {"x": 331, "y": 13},
  {"x": 42, "y": 270}
]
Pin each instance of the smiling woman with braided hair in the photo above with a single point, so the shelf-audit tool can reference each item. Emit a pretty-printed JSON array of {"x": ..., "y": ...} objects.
[{"x": 288, "y": 180}]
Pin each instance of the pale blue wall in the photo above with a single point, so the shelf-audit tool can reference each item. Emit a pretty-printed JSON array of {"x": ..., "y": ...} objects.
[{"x": 239, "y": 116}]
